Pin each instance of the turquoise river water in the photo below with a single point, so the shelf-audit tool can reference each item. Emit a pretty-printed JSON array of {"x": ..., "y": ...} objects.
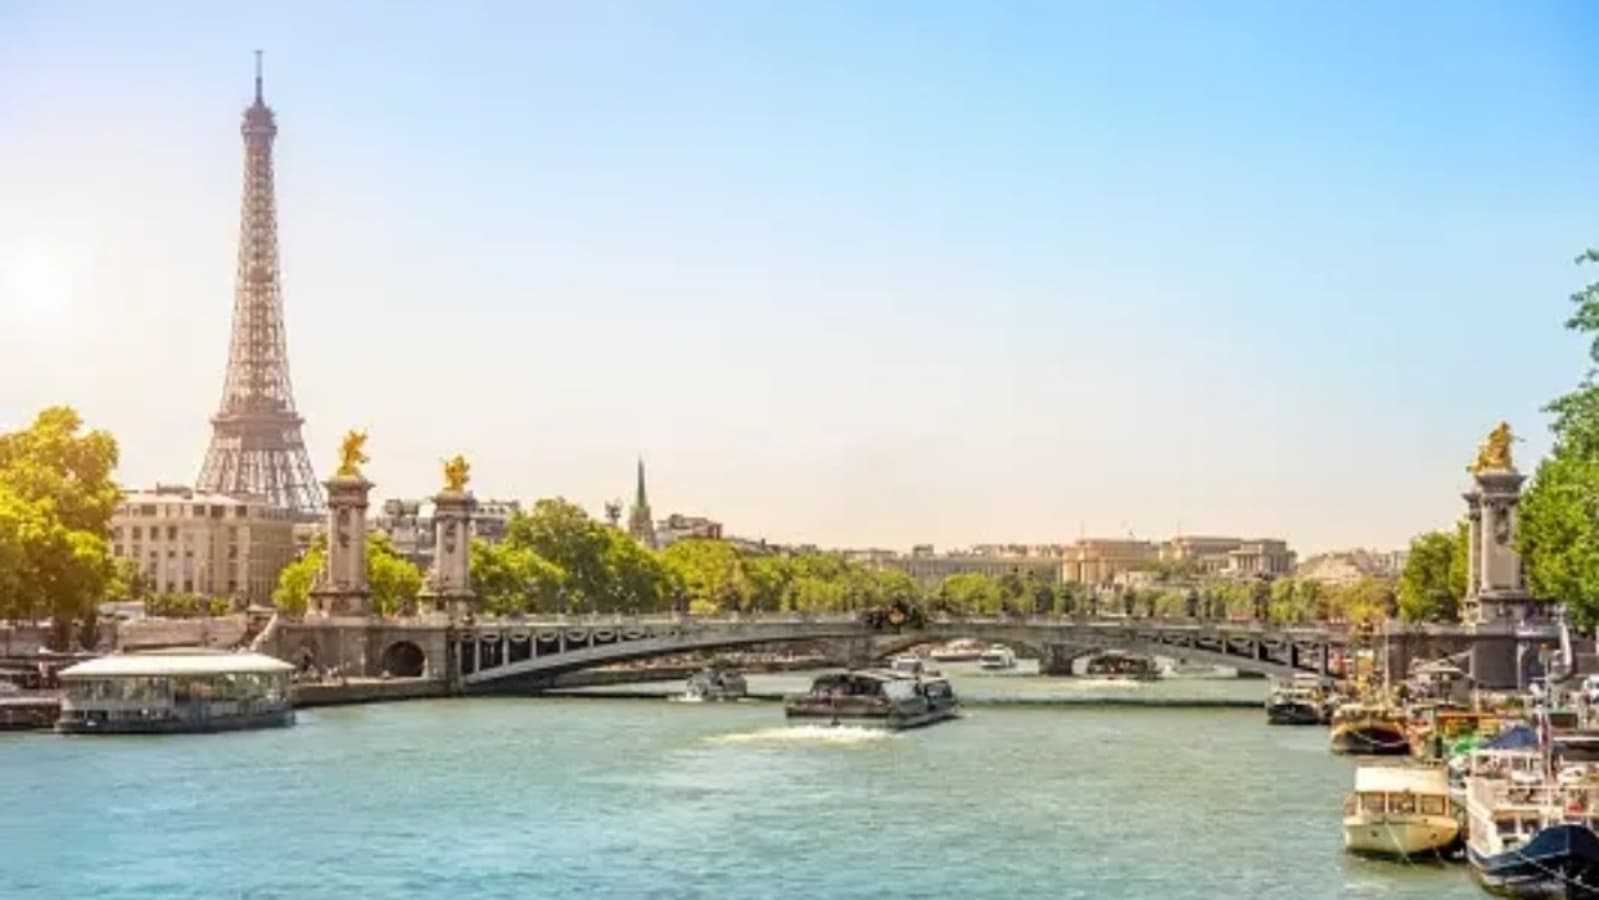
[{"x": 606, "y": 797}]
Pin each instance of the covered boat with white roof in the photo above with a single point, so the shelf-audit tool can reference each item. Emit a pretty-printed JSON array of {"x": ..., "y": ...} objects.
[{"x": 175, "y": 691}]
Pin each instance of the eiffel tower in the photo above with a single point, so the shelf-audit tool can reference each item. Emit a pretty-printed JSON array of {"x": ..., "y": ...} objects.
[{"x": 256, "y": 446}]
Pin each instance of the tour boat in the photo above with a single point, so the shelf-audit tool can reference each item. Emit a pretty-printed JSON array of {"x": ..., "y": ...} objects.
[
  {"x": 1529, "y": 832},
  {"x": 714, "y": 683},
  {"x": 959, "y": 651},
  {"x": 1120, "y": 665},
  {"x": 880, "y": 698},
  {"x": 1400, "y": 811},
  {"x": 998, "y": 658},
  {"x": 175, "y": 691},
  {"x": 1294, "y": 704},
  {"x": 1369, "y": 730}
]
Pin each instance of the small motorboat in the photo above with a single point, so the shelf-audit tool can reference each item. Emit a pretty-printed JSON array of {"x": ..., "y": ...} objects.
[
  {"x": 715, "y": 683},
  {"x": 997, "y": 658},
  {"x": 880, "y": 698}
]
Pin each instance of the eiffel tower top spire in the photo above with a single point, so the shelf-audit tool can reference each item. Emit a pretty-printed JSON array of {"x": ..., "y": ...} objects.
[{"x": 256, "y": 447}]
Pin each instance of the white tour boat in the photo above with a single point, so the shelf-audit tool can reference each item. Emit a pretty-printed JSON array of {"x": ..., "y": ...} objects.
[
  {"x": 997, "y": 658},
  {"x": 1400, "y": 811}
]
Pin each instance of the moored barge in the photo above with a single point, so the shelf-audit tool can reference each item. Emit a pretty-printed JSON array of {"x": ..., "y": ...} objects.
[{"x": 1369, "y": 730}]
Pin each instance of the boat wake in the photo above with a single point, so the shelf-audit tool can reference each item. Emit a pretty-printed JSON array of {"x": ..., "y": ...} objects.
[{"x": 811, "y": 735}]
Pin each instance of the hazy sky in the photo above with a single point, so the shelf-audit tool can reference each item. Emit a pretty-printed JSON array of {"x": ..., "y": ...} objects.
[{"x": 854, "y": 273}]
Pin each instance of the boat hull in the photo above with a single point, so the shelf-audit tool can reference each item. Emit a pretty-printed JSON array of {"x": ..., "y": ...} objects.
[
  {"x": 280, "y": 718},
  {"x": 1369, "y": 740},
  {"x": 1292, "y": 714},
  {"x": 895, "y": 720},
  {"x": 1560, "y": 861},
  {"x": 1400, "y": 836}
]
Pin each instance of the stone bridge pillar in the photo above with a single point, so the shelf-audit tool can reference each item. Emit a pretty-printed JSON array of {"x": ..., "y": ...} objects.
[
  {"x": 341, "y": 587},
  {"x": 449, "y": 584}
]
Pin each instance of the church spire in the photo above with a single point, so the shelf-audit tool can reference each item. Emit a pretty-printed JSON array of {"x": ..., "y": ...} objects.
[{"x": 641, "y": 524}]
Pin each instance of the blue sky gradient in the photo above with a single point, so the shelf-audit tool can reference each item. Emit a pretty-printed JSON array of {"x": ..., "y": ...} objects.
[{"x": 853, "y": 273}]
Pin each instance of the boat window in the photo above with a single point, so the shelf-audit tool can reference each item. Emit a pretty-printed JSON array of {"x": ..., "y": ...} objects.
[
  {"x": 1404, "y": 804},
  {"x": 1432, "y": 806},
  {"x": 1371, "y": 803},
  {"x": 899, "y": 690}
]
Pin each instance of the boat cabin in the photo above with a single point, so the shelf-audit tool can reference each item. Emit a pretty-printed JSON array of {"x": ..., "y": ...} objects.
[{"x": 1399, "y": 791}]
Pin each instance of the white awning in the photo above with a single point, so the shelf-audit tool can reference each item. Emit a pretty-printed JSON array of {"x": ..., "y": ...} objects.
[{"x": 195, "y": 662}]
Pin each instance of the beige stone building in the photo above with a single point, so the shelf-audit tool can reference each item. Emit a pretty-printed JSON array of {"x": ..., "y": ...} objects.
[
  {"x": 930, "y": 568},
  {"x": 1268, "y": 557},
  {"x": 1230, "y": 556},
  {"x": 207, "y": 544},
  {"x": 1207, "y": 553},
  {"x": 1346, "y": 567},
  {"x": 1100, "y": 560}
]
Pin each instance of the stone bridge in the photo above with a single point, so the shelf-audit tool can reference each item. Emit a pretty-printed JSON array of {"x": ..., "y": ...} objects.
[{"x": 523, "y": 655}]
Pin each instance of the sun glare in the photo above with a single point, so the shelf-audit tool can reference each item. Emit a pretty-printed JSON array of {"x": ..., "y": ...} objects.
[{"x": 35, "y": 285}]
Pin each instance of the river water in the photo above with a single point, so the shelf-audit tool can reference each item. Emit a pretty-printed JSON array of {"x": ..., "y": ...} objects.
[{"x": 606, "y": 797}]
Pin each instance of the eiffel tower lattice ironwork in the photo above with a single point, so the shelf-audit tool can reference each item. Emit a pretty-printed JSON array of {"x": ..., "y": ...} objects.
[{"x": 256, "y": 447}]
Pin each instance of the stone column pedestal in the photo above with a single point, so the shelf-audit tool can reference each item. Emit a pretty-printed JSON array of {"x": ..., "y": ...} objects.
[
  {"x": 341, "y": 588},
  {"x": 449, "y": 582}
]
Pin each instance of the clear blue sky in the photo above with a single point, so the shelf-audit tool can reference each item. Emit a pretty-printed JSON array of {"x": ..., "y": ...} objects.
[{"x": 855, "y": 273}]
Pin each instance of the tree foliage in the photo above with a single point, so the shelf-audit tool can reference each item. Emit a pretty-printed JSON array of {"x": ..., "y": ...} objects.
[
  {"x": 394, "y": 580},
  {"x": 1433, "y": 581},
  {"x": 1558, "y": 532},
  {"x": 56, "y": 501}
]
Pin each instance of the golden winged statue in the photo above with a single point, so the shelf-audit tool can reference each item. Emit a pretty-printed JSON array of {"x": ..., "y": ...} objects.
[
  {"x": 352, "y": 453},
  {"x": 1494, "y": 454},
  {"x": 456, "y": 474}
]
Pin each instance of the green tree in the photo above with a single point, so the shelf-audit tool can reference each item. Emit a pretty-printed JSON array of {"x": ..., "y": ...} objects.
[
  {"x": 128, "y": 582},
  {"x": 971, "y": 594},
  {"x": 1427, "y": 588},
  {"x": 1558, "y": 531},
  {"x": 394, "y": 580},
  {"x": 513, "y": 580},
  {"x": 56, "y": 501},
  {"x": 562, "y": 533},
  {"x": 293, "y": 592},
  {"x": 711, "y": 574}
]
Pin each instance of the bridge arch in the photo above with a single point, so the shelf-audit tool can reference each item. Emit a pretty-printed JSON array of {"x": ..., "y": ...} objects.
[
  {"x": 404, "y": 659},
  {"x": 884, "y": 648}
]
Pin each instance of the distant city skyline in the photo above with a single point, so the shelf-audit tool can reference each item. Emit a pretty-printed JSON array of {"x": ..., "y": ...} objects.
[{"x": 841, "y": 275}]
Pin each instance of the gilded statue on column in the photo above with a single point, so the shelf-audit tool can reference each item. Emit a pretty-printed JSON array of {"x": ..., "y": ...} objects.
[
  {"x": 1494, "y": 453},
  {"x": 352, "y": 453},
  {"x": 457, "y": 473}
]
